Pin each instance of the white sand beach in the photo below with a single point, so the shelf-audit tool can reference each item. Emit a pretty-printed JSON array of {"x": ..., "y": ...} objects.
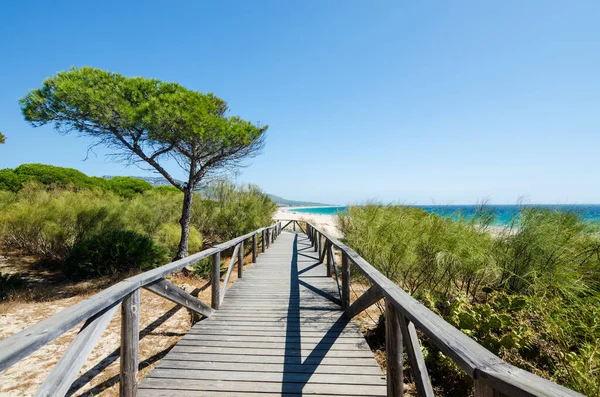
[{"x": 326, "y": 222}]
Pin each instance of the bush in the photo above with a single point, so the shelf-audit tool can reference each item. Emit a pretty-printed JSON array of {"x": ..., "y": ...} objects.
[
  {"x": 112, "y": 252},
  {"x": 9, "y": 180},
  {"x": 145, "y": 213},
  {"x": 59, "y": 176},
  {"x": 128, "y": 187},
  {"x": 225, "y": 211},
  {"x": 48, "y": 223},
  {"x": 529, "y": 293},
  {"x": 169, "y": 234}
]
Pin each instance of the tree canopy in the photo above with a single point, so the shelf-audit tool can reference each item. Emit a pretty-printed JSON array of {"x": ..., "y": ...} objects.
[
  {"x": 147, "y": 121},
  {"x": 2, "y": 139}
]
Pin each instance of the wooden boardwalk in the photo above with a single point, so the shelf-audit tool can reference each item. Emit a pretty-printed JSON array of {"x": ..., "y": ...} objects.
[{"x": 280, "y": 331}]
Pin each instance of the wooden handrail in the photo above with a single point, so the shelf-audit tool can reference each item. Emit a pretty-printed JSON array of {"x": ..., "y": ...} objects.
[
  {"x": 493, "y": 376},
  {"x": 99, "y": 309}
]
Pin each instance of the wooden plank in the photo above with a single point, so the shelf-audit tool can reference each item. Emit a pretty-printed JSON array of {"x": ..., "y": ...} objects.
[
  {"x": 216, "y": 281},
  {"x": 168, "y": 290},
  {"x": 393, "y": 352},
  {"x": 130, "y": 330},
  {"x": 300, "y": 227},
  {"x": 415, "y": 356},
  {"x": 366, "y": 300},
  {"x": 257, "y": 386},
  {"x": 175, "y": 363},
  {"x": 278, "y": 377},
  {"x": 234, "y": 258},
  {"x": 345, "y": 281},
  {"x": 240, "y": 260},
  {"x": 65, "y": 372}
]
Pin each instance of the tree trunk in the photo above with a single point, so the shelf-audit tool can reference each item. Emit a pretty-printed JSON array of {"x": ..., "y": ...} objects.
[{"x": 188, "y": 195}]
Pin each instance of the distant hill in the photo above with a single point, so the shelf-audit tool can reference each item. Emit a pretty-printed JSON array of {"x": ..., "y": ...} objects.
[
  {"x": 160, "y": 181},
  {"x": 293, "y": 203}
]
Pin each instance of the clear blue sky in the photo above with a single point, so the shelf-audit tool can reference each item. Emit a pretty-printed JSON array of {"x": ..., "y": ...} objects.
[{"x": 405, "y": 101}]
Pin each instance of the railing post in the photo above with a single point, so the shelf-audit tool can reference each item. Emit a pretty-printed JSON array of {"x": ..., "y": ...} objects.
[
  {"x": 329, "y": 261},
  {"x": 345, "y": 281},
  {"x": 215, "y": 301},
  {"x": 484, "y": 390},
  {"x": 319, "y": 244},
  {"x": 130, "y": 331},
  {"x": 263, "y": 241},
  {"x": 254, "y": 248},
  {"x": 317, "y": 240},
  {"x": 241, "y": 260},
  {"x": 294, "y": 225},
  {"x": 393, "y": 351}
]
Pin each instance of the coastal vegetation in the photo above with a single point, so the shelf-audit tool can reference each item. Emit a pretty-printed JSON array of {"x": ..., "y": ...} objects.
[
  {"x": 90, "y": 227},
  {"x": 529, "y": 291},
  {"x": 148, "y": 121}
]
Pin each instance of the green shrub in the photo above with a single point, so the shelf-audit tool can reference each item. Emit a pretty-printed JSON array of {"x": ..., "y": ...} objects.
[
  {"x": 169, "y": 234},
  {"x": 112, "y": 252},
  {"x": 145, "y": 213},
  {"x": 59, "y": 176},
  {"x": 48, "y": 223},
  {"x": 9, "y": 180},
  {"x": 225, "y": 211},
  {"x": 128, "y": 187},
  {"x": 529, "y": 293}
]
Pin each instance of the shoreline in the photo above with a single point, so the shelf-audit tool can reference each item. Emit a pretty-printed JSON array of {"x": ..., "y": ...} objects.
[{"x": 325, "y": 222}]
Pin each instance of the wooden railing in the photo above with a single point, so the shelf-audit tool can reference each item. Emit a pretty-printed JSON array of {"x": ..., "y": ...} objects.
[
  {"x": 404, "y": 315},
  {"x": 98, "y": 310}
]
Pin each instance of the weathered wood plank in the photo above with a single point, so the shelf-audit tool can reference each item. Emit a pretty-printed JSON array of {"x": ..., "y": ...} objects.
[
  {"x": 240, "y": 260},
  {"x": 65, "y": 372},
  {"x": 268, "y": 387},
  {"x": 130, "y": 330},
  {"x": 345, "y": 281},
  {"x": 393, "y": 352},
  {"x": 415, "y": 356},
  {"x": 169, "y": 291},
  {"x": 216, "y": 281},
  {"x": 234, "y": 258},
  {"x": 366, "y": 300}
]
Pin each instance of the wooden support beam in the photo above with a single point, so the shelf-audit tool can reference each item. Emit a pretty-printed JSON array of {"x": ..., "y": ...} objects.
[
  {"x": 393, "y": 352},
  {"x": 240, "y": 260},
  {"x": 319, "y": 244},
  {"x": 170, "y": 291},
  {"x": 215, "y": 301},
  {"x": 263, "y": 241},
  {"x": 345, "y": 281},
  {"x": 254, "y": 248},
  {"x": 287, "y": 224},
  {"x": 130, "y": 344},
  {"x": 325, "y": 251},
  {"x": 232, "y": 262},
  {"x": 64, "y": 373},
  {"x": 366, "y": 300},
  {"x": 329, "y": 262},
  {"x": 300, "y": 227},
  {"x": 415, "y": 356}
]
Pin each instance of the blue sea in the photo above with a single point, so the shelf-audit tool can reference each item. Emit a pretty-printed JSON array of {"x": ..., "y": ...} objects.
[{"x": 504, "y": 213}]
